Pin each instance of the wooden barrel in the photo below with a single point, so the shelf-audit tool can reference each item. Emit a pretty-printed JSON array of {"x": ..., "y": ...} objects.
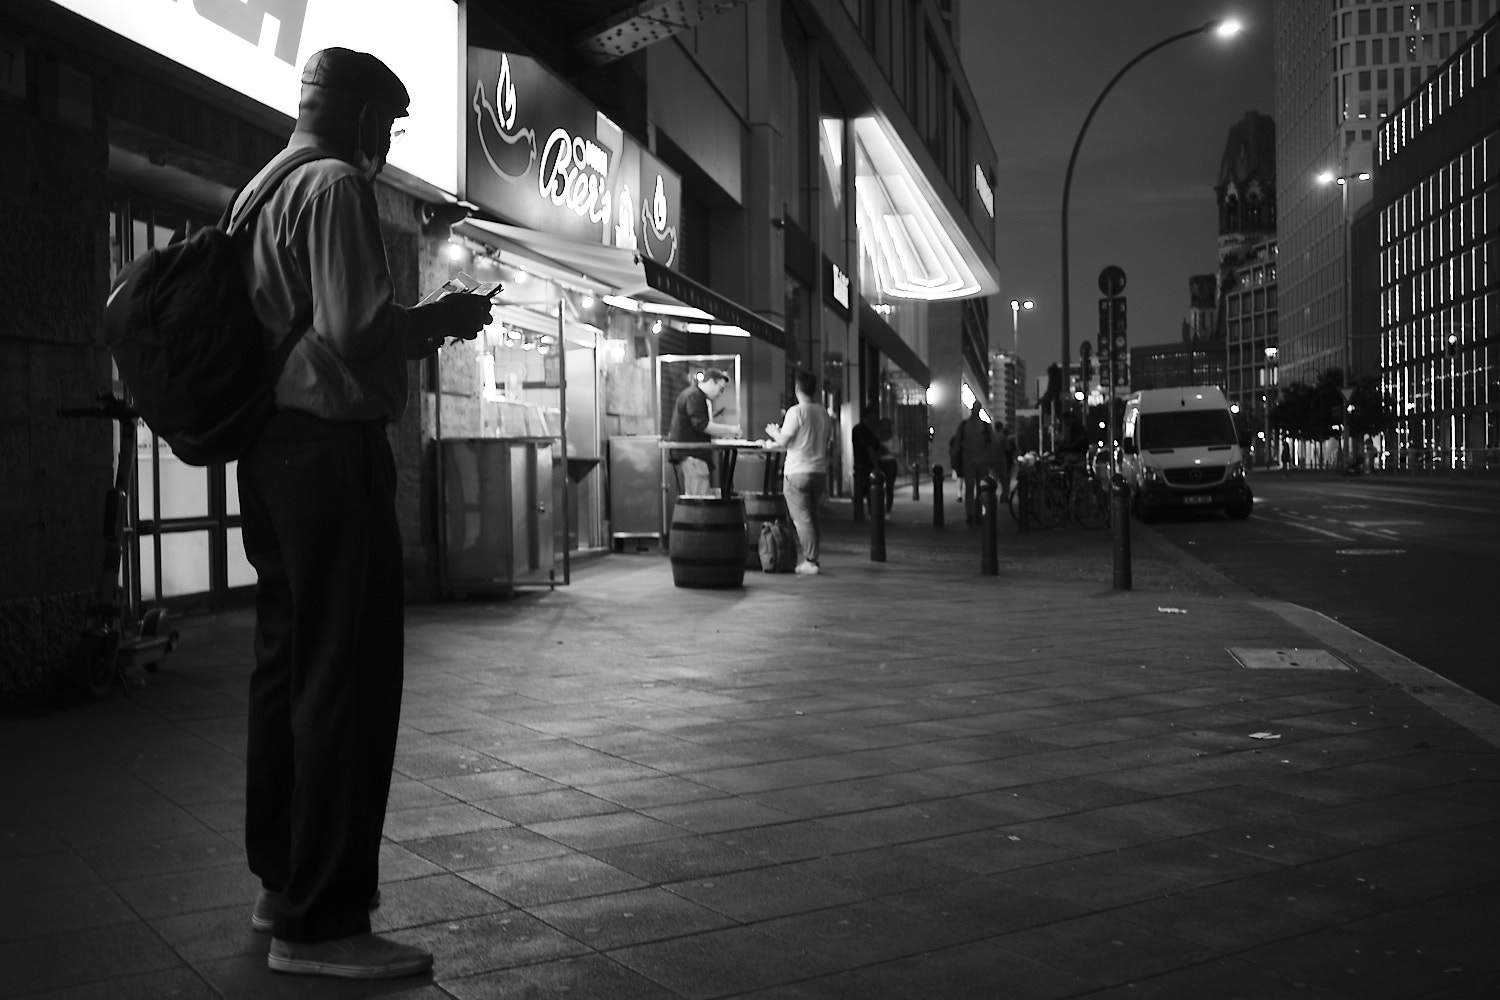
[
  {"x": 760, "y": 508},
  {"x": 708, "y": 542}
]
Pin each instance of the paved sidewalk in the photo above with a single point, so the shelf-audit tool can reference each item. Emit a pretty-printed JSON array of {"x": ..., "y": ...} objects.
[{"x": 890, "y": 780}]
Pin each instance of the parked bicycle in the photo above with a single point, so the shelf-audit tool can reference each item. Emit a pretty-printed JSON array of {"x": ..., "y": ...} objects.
[{"x": 1063, "y": 489}]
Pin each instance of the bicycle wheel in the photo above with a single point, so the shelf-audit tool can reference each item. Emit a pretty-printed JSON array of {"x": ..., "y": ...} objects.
[
  {"x": 1051, "y": 499},
  {"x": 1090, "y": 503},
  {"x": 1014, "y": 502}
]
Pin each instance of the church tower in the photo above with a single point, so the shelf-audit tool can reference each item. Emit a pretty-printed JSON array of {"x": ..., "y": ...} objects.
[{"x": 1247, "y": 187}]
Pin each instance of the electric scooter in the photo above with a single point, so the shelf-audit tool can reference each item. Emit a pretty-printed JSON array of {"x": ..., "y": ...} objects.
[{"x": 113, "y": 641}]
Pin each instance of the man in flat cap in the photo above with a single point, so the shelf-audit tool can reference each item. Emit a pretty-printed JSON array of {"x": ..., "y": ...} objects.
[
  {"x": 693, "y": 420},
  {"x": 317, "y": 491}
]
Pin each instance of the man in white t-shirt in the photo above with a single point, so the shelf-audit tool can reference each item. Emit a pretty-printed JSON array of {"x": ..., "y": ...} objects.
[{"x": 806, "y": 431}]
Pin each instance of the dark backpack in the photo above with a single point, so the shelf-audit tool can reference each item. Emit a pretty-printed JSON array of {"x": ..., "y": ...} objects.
[
  {"x": 189, "y": 347},
  {"x": 778, "y": 547}
]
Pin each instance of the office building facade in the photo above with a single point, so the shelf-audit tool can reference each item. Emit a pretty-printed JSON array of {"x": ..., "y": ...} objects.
[
  {"x": 1342, "y": 67},
  {"x": 1432, "y": 283}
]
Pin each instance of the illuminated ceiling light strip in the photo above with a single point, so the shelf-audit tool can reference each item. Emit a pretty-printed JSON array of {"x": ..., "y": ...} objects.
[
  {"x": 897, "y": 243},
  {"x": 933, "y": 274},
  {"x": 936, "y": 238},
  {"x": 897, "y": 184},
  {"x": 717, "y": 329},
  {"x": 672, "y": 309}
]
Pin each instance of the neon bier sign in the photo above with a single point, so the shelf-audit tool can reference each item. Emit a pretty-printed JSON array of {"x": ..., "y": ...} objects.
[{"x": 582, "y": 181}]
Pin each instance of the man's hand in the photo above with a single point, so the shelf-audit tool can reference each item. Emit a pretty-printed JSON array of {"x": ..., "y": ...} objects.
[{"x": 459, "y": 316}]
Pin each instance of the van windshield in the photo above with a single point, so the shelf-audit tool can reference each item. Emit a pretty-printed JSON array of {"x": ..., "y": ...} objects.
[{"x": 1187, "y": 429}]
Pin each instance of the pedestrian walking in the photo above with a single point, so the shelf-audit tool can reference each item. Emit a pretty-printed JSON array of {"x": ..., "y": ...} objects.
[
  {"x": 865, "y": 444},
  {"x": 885, "y": 459},
  {"x": 318, "y": 496},
  {"x": 976, "y": 445},
  {"x": 806, "y": 431},
  {"x": 1286, "y": 457}
]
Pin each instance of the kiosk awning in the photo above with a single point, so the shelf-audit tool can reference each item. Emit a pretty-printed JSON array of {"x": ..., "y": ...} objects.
[{"x": 624, "y": 273}]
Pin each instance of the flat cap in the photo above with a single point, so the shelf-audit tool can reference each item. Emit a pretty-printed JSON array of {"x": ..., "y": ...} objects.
[{"x": 359, "y": 74}]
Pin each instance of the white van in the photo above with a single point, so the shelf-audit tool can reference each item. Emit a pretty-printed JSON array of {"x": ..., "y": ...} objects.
[{"x": 1179, "y": 448}]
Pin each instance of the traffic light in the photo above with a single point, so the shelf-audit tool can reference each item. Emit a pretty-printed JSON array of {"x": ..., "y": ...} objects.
[{"x": 1117, "y": 314}]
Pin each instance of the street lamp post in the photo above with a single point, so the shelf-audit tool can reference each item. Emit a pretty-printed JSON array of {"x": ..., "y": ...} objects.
[
  {"x": 1346, "y": 373},
  {"x": 1267, "y": 394},
  {"x": 1224, "y": 28},
  {"x": 1016, "y": 305}
]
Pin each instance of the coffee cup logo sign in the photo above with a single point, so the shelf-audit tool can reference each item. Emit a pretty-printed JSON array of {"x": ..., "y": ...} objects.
[
  {"x": 586, "y": 180},
  {"x": 661, "y": 238},
  {"x": 510, "y": 152}
]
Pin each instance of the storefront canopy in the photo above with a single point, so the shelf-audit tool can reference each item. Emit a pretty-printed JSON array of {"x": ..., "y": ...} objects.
[{"x": 625, "y": 274}]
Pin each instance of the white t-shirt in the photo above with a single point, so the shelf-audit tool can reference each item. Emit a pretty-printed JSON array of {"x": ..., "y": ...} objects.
[{"x": 810, "y": 428}]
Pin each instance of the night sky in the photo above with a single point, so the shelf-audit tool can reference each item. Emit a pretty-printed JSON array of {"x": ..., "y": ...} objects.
[{"x": 1142, "y": 192}]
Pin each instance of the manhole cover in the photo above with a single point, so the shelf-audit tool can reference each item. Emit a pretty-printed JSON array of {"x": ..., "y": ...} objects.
[
  {"x": 1287, "y": 659},
  {"x": 1370, "y": 552}
]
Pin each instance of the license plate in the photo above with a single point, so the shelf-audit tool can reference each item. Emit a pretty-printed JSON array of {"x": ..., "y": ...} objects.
[{"x": 1197, "y": 499}]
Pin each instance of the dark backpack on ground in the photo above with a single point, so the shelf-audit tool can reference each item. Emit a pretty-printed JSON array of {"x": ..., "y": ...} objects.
[
  {"x": 187, "y": 342},
  {"x": 778, "y": 547}
]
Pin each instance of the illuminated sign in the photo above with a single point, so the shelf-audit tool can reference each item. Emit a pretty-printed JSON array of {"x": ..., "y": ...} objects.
[
  {"x": 258, "y": 48},
  {"x": 542, "y": 156},
  {"x": 838, "y": 285},
  {"x": 986, "y": 193}
]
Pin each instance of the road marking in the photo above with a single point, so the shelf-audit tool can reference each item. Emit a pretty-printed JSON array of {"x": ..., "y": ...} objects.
[
  {"x": 1369, "y": 552},
  {"x": 1439, "y": 506},
  {"x": 1292, "y": 523},
  {"x": 1378, "y": 524}
]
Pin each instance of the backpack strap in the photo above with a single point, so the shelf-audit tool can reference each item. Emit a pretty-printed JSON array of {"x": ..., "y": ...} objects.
[
  {"x": 302, "y": 322},
  {"x": 268, "y": 185}
]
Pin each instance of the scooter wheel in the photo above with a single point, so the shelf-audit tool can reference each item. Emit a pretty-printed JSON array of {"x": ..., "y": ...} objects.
[
  {"x": 151, "y": 624},
  {"x": 93, "y": 661}
]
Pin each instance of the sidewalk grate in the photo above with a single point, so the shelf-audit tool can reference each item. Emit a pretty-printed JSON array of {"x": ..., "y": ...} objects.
[{"x": 1287, "y": 659}]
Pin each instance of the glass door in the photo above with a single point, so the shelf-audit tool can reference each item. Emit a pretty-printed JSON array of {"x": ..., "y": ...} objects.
[{"x": 184, "y": 547}]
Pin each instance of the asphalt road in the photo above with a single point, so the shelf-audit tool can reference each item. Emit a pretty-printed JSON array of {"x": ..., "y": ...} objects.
[{"x": 1411, "y": 562}]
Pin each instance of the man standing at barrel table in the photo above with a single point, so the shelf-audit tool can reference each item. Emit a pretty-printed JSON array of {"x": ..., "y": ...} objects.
[
  {"x": 806, "y": 431},
  {"x": 692, "y": 420}
]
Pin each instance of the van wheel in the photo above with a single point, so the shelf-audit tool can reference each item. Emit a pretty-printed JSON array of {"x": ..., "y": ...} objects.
[
  {"x": 1239, "y": 511},
  {"x": 1142, "y": 510}
]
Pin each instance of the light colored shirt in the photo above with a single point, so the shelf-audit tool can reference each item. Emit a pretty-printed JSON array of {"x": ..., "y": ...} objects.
[
  {"x": 317, "y": 240},
  {"x": 808, "y": 429}
]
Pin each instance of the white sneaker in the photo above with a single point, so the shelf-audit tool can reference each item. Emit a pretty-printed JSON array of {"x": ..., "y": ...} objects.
[{"x": 807, "y": 568}]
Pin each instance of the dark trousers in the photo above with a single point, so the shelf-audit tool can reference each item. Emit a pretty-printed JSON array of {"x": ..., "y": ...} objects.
[
  {"x": 318, "y": 499},
  {"x": 861, "y": 492}
]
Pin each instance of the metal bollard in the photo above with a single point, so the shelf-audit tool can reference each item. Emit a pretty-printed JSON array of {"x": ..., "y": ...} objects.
[
  {"x": 877, "y": 516},
  {"x": 937, "y": 496},
  {"x": 1119, "y": 509},
  {"x": 989, "y": 499}
]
